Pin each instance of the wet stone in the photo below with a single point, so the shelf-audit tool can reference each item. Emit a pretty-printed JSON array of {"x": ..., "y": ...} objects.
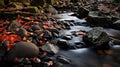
[
  {"x": 96, "y": 37},
  {"x": 50, "y": 48},
  {"x": 67, "y": 37},
  {"x": 58, "y": 64},
  {"x": 53, "y": 30},
  {"x": 63, "y": 44},
  {"x": 96, "y": 20},
  {"x": 63, "y": 60},
  {"x": 22, "y": 32},
  {"x": 82, "y": 13},
  {"x": 55, "y": 35},
  {"x": 47, "y": 34},
  {"x": 116, "y": 24},
  {"x": 30, "y": 9}
]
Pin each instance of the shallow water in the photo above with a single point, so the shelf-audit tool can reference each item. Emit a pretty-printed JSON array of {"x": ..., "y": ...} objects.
[{"x": 86, "y": 57}]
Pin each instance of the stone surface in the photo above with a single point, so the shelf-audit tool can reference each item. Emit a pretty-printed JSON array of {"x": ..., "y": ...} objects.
[
  {"x": 96, "y": 37},
  {"x": 63, "y": 44},
  {"x": 31, "y": 9},
  {"x": 22, "y": 32},
  {"x": 67, "y": 37},
  {"x": 23, "y": 50},
  {"x": 63, "y": 60},
  {"x": 50, "y": 48}
]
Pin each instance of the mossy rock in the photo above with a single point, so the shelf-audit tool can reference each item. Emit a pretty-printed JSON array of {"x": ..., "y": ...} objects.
[
  {"x": 31, "y": 9},
  {"x": 97, "y": 38},
  {"x": 2, "y": 3}
]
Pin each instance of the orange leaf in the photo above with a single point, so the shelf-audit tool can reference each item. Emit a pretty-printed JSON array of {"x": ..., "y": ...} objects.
[
  {"x": 45, "y": 26},
  {"x": 41, "y": 42}
]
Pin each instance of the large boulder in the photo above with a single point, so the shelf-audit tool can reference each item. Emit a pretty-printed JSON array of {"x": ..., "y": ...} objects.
[
  {"x": 96, "y": 37},
  {"x": 23, "y": 50}
]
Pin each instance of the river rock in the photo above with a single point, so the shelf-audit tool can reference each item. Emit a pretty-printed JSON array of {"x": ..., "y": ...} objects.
[
  {"x": 117, "y": 24},
  {"x": 67, "y": 37},
  {"x": 96, "y": 37},
  {"x": 63, "y": 44},
  {"x": 58, "y": 64},
  {"x": 22, "y": 32},
  {"x": 23, "y": 50},
  {"x": 47, "y": 34},
  {"x": 14, "y": 24},
  {"x": 96, "y": 20},
  {"x": 63, "y": 60},
  {"x": 81, "y": 13},
  {"x": 54, "y": 30},
  {"x": 50, "y": 48},
  {"x": 51, "y": 9},
  {"x": 31, "y": 9}
]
